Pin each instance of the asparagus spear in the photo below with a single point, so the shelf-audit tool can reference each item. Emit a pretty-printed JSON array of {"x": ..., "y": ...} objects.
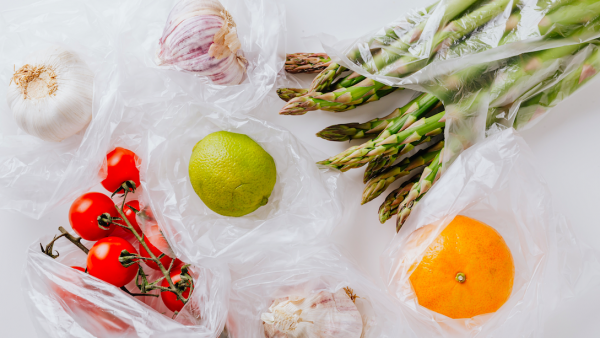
[
  {"x": 380, "y": 183},
  {"x": 550, "y": 97},
  {"x": 287, "y": 94},
  {"x": 402, "y": 214},
  {"x": 348, "y": 131},
  {"x": 306, "y": 62},
  {"x": 428, "y": 178},
  {"x": 326, "y": 77},
  {"x": 390, "y": 206},
  {"x": 339, "y": 100},
  {"x": 391, "y": 140},
  {"x": 562, "y": 20}
]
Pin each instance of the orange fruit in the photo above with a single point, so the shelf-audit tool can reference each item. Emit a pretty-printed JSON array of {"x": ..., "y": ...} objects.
[{"x": 466, "y": 271}]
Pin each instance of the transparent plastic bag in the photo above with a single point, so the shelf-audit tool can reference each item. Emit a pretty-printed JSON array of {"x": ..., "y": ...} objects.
[
  {"x": 495, "y": 182},
  {"x": 494, "y": 64},
  {"x": 260, "y": 277},
  {"x": 304, "y": 203},
  {"x": 64, "y": 302},
  {"x": 118, "y": 41}
]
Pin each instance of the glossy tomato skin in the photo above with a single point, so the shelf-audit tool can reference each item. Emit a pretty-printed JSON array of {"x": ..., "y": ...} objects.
[
  {"x": 168, "y": 297},
  {"x": 166, "y": 260},
  {"x": 130, "y": 214},
  {"x": 122, "y": 167},
  {"x": 103, "y": 261},
  {"x": 78, "y": 268},
  {"x": 84, "y": 212}
]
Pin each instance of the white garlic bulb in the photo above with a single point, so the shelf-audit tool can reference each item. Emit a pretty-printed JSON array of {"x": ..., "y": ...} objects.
[
  {"x": 323, "y": 315},
  {"x": 201, "y": 37},
  {"x": 50, "y": 96}
]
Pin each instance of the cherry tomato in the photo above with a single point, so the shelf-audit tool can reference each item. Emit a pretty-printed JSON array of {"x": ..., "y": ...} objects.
[
  {"x": 166, "y": 260},
  {"x": 121, "y": 167},
  {"x": 130, "y": 214},
  {"x": 78, "y": 268},
  {"x": 103, "y": 261},
  {"x": 84, "y": 213},
  {"x": 168, "y": 297}
]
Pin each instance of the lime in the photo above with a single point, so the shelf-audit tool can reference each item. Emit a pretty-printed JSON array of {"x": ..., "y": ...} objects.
[{"x": 231, "y": 173}]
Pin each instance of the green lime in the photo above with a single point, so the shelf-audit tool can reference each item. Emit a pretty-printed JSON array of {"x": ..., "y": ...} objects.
[{"x": 232, "y": 174}]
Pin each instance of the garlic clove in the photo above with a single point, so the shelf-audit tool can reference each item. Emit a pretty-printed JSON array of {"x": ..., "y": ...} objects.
[
  {"x": 323, "y": 315},
  {"x": 201, "y": 37},
  {"x": 50, "y": 96}
]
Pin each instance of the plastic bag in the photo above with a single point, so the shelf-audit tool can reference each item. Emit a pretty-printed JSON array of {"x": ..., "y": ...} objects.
[
  {"x": 64, "y": 302},
  {"x": 495, "y": 182},
  {"x": 484, "y": 59},
  {"x": 304, "y": 203},
  {"x": 260, "y": 277},
  {"x": 117, "y": 40}
]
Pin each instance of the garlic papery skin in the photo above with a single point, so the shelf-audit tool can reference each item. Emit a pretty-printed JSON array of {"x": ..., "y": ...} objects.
[
  {"x": 50, "y": 96},
  {"x": 201, "y": 37},
  {"x": 323, "y": 315}
]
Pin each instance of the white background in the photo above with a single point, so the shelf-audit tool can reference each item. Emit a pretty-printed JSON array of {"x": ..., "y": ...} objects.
[{"x": 564, "y": 144}]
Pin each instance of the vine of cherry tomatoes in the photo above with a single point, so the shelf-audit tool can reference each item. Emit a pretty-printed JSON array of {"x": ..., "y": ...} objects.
[{"x": 94, "y": 208}]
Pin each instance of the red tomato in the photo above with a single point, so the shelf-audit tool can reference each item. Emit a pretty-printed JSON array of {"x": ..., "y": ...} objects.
[
  {"x": 130, "y": 214},
  {"x": 121, "y": 167},
  {"x": 168, "y": 297},
  {"x": 84, "y": 213},
  {"x": 166, "y": 260},
  {"x": 103, "y": 261},
  {"x": 78, "y": 268}
]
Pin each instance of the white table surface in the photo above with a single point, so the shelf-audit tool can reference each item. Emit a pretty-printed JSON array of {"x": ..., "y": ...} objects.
[{"x": 563, "y": 144}]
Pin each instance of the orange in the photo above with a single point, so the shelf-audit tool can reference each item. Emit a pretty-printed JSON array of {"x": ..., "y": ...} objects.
[{"x": 467, "y": 271}]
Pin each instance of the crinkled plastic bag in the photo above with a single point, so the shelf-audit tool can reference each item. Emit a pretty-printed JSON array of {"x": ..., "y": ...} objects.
[
  {"x": 302, "y": 206},
  {"x": 260, "y": 277},
  {"x": 118, "y": 41},
  {"x": 495, "y": 182},
  {"x": 483, "y": 60},
  {"x": 64, "y": 302}
]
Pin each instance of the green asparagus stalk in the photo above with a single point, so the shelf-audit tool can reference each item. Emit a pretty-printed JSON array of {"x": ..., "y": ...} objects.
[
  {"x": 339, "y": 100},
  {"x": 402, "y": 214},
  {"x": 390, "y": 206},
  {"x": 540, "y": 103},
  {"x": 306, "y": 62},
  {"x": 401, "y": 46},
  {"x": 512, "y": 82},
  {"x": 428, "y": 178},
  {"x": 391, "y": 140},
  {"x": 322, "y": 82},
  {"x": 287, "y": 94},
  {"x": 348, "y": 131},
  {"x": 382, "y": 163},
  {"x": 381, "y": 182},
  {"x": 562, "y": 20}
]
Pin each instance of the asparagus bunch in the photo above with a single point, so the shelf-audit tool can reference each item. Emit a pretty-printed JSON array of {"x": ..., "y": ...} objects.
[
  {"x": 306, "y": 62},
  {"x": 462, "y": 19},
  {"x": 390, "y": 141},
  {"x": 421, "y": 105},
  {"x": 381, "y": 182}
]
